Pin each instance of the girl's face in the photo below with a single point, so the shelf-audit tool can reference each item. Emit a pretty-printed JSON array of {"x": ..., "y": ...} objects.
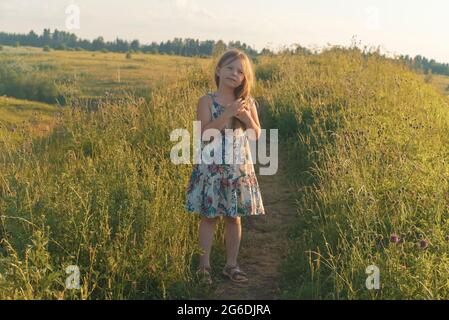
[{"x": 231, "y": 74}]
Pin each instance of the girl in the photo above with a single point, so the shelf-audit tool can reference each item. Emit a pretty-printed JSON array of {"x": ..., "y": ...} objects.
[{"x": 227, "y": 190}]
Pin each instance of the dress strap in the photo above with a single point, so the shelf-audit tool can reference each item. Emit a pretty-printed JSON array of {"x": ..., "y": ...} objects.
[
  {"x": 212, "y": 106},
  {"x": 212, "y": 96}
]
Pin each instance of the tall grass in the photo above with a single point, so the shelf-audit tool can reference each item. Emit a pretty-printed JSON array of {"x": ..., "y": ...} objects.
[
  {"x": 101, "y": 193},
  {"x": 95, "y": 74},
  {"x": 366, "y": 142},
  {"x": 368, "y": 148},
  {"x": 23, "y": 82}
]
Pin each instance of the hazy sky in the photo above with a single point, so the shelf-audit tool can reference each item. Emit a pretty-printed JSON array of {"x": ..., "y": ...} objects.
[{"x": 399, "y": 26}]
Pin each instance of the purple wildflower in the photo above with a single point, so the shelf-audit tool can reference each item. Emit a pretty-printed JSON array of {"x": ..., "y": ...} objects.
[
  {"x": 394, "y": 238},
  {"x": 424, "y": 244}
]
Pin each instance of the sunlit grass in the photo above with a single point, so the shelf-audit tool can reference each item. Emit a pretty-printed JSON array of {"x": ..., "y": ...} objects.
[
  {"x": 17, "y": 116},
  {"x": 440, "y": 82},
  {"x": 95, "y": 73},
  {"x": 100, "y": 192},
  {"x": 367, "y": 147}
]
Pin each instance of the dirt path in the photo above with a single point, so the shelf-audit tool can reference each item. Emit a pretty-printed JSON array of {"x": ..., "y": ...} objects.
[{"x": 264, "y": 241}]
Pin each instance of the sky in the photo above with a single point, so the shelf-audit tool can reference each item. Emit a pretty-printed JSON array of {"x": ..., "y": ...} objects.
[{"x": 397, "y": 26}]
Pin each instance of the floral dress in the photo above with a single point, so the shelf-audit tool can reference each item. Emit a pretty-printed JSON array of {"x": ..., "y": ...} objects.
[{"x": 226, "y": 189}]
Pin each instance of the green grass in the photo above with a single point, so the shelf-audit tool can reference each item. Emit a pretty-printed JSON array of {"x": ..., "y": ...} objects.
[
  {"x": 93, "y": 74},
  {"x": 366, "y": 141},
  {"x": 368, "y": 150},
  {"x": 18, "y": 116},
  {"x": 440, "y": 82},
  {"x": 101, "y": 193}
]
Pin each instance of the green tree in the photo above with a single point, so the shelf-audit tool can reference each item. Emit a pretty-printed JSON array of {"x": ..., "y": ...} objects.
[
  {"x": 135, "y": 45},
  {"x": 219, "y": 48},
  {"x": 98, "y": 44}
]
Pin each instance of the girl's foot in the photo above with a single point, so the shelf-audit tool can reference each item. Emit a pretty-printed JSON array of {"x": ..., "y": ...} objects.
[
  {"x": 203, "y": 273},
  {"x": 235, "y": 274}
]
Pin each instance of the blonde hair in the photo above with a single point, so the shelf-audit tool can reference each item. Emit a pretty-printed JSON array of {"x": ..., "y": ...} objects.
[{"x": 244, "y": 89}]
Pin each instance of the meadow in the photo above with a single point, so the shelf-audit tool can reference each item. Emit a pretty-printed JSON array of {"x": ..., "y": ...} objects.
[
  {"x": 365, "y": 140},
  {"x": 85, "y": 74},
  {"x": 17, "y": 115},
  {"x": 368, "y": 145},
  {"x": 440, "y": 82}
]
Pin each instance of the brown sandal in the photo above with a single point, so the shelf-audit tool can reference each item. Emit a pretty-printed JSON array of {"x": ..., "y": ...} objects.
[
  {"x": 204, "y": 275},
  {"x": 235, "y": 274}
]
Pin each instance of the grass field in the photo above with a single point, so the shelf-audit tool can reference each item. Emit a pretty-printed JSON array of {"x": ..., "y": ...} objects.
[
  {"x": 17, "y": 116},
  {"x": 95, "y": 74},
  {"x": 368, "y": 146},
  {"x": 365, "y": 142},
  {"x": 441, "y": 83}
]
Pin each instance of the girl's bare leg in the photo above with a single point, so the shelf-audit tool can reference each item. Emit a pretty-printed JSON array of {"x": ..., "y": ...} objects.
[
  {"x": 233, "y": 235},
  {"x": 206, "y": 234}
]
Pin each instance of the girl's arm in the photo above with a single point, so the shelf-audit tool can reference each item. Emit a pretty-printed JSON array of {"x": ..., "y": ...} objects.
[
  {"x": 204, "y": 115},
  {"x": 251, "y": 119}
]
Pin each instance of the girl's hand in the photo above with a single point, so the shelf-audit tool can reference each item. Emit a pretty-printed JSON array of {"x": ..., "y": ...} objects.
[
  {"x": 235, "y": 108},
  {"x": 244, "y": 116}
]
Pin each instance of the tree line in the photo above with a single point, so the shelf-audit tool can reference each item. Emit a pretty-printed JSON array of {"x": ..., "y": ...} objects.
[
  {"x": 426, "y": 65},
  {"x": 65, "y": 40}
]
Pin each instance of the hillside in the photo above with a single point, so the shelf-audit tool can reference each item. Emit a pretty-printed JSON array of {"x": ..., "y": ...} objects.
[
  {"x": 368, "y": 142},
  {"x": 93, "y": 74},
  {"x": 363, "y": 143}
]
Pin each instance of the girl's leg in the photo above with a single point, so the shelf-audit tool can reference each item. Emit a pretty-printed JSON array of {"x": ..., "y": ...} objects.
[
  {"x": 233, "y": 235},
  {"x": 206, "y": 233}
]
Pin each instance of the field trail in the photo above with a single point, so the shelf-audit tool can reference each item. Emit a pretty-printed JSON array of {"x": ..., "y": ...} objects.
[{"x": 264, "y": 241}]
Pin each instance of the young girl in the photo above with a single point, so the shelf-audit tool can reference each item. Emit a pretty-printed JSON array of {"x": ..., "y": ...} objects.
[{"x": 229, "y": 189}]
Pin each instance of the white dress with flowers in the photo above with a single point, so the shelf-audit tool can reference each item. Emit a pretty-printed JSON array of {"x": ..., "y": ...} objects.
[{"x": 225, "y": 189}]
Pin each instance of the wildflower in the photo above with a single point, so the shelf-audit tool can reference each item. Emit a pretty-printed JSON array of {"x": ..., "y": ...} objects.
[
  {"x": 424, "y": 244},
  {"x": 394, "y": 238},
  {"x": 446, "y": 238}
]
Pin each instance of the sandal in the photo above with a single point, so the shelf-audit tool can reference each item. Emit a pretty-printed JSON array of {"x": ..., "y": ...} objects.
[
  {"x": 204, "y": 275},
  {"x": 235, "y": 274}
]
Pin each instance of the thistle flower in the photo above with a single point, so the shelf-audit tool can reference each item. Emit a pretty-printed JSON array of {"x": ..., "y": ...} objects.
[
  {"x": 424, "y": 244},
  {"x": 394, "y": 238}
]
